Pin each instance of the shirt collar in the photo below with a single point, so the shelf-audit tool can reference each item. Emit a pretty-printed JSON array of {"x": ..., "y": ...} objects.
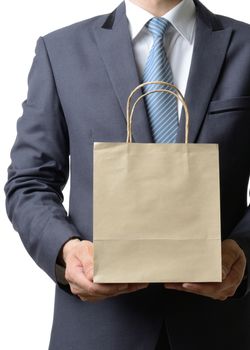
[{"x": 182, "y": 18}]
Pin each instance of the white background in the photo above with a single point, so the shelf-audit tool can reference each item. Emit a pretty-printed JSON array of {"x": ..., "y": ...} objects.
[{"x": 26, "y": 293}]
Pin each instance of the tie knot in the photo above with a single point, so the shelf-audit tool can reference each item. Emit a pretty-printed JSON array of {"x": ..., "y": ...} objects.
[{"x": 158, "y": 26}]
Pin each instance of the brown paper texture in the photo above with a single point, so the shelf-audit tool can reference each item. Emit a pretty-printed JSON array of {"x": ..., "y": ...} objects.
[{"x": 156, "y": 214}]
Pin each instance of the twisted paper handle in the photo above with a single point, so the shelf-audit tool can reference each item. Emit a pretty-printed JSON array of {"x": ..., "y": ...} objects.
[{"x": 130, "y": 111}]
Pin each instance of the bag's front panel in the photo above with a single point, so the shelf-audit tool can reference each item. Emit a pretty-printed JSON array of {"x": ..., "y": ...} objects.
[{"x": 156, "y": 212}]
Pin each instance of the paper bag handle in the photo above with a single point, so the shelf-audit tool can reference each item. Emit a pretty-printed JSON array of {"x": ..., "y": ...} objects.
[{"x": 177, "y": 94}]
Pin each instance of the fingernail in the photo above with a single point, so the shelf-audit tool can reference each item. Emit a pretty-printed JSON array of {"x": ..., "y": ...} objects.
[
  {"x": 188, "y": 286},
  {"x": 141, "y": 286}
]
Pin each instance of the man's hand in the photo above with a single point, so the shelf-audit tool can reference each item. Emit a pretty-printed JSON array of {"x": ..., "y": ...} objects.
[
  {"x": 78, "y": 258},
  {"x": 233, "y": 267}
]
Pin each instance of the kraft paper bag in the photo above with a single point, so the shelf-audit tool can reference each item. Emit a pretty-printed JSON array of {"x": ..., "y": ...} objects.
[{"x": 156, "y": 208}]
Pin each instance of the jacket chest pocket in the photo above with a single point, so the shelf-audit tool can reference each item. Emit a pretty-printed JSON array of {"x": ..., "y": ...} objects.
[
  {"x": 228, "y": 123},
  {"x": 228, "y": 107}
]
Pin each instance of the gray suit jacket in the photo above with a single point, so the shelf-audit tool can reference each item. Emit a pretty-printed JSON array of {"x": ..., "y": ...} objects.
[{"x": 78, "y": 85}]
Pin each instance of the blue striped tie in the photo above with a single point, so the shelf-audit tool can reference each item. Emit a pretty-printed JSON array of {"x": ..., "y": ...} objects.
[{"x": 162, "y": 108}]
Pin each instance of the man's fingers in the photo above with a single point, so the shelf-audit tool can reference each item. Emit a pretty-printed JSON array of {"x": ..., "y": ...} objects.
[
  {"x": 84, "y": 284},
  {"x": 205, "y": 289},
  {"x": 233, "y": 267},
  {"x": 220, "y": 291},
  {"x": 89, "y": 298},
  {"x": 79, "y": 274},
  {"x": 93, "y": 290},
  {"x": 213, "y": 290},
  {"x": 88, "y": 268},
  {"x": 230, "y": 254},
  {"x": 227, "y": 263},
  {"x": 80, "y": 278},
  {"x": 85, "y": 297},
  {"x": 116, "y": 289},
  {"x": 176, "y": 286},
  {"x": 133, "y": 287},
  {"x": 236, "y": 274}
]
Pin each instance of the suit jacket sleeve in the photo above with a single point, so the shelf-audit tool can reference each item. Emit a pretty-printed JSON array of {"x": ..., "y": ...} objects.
[
  {"x": 39, "y": 169},
  {"x": 241, "y": 234}
]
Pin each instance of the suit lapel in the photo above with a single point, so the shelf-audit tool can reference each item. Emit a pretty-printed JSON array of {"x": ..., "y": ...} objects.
[
  {"x": 115, "y": 46},
  {"x": 210, "y": 47},
  {"x": 211, "y": 44}
]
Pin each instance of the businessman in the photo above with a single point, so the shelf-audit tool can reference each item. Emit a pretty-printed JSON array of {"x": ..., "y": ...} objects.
[{"x": 79, "y": 82}]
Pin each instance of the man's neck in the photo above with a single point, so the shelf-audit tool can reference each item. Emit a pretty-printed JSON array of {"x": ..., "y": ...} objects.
[{"x": 156, "y": 7}]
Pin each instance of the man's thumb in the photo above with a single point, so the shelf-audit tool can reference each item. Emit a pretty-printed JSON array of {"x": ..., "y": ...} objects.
[
  {"x": 88, "y": 268},
  {"x": 229, "y": 256},
  {"x": 225, "y": 271},
  {"x": 85, "y": 255}
]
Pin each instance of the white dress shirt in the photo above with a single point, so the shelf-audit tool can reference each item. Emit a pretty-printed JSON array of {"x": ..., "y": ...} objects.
[{"x": 178, "y": 42}]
